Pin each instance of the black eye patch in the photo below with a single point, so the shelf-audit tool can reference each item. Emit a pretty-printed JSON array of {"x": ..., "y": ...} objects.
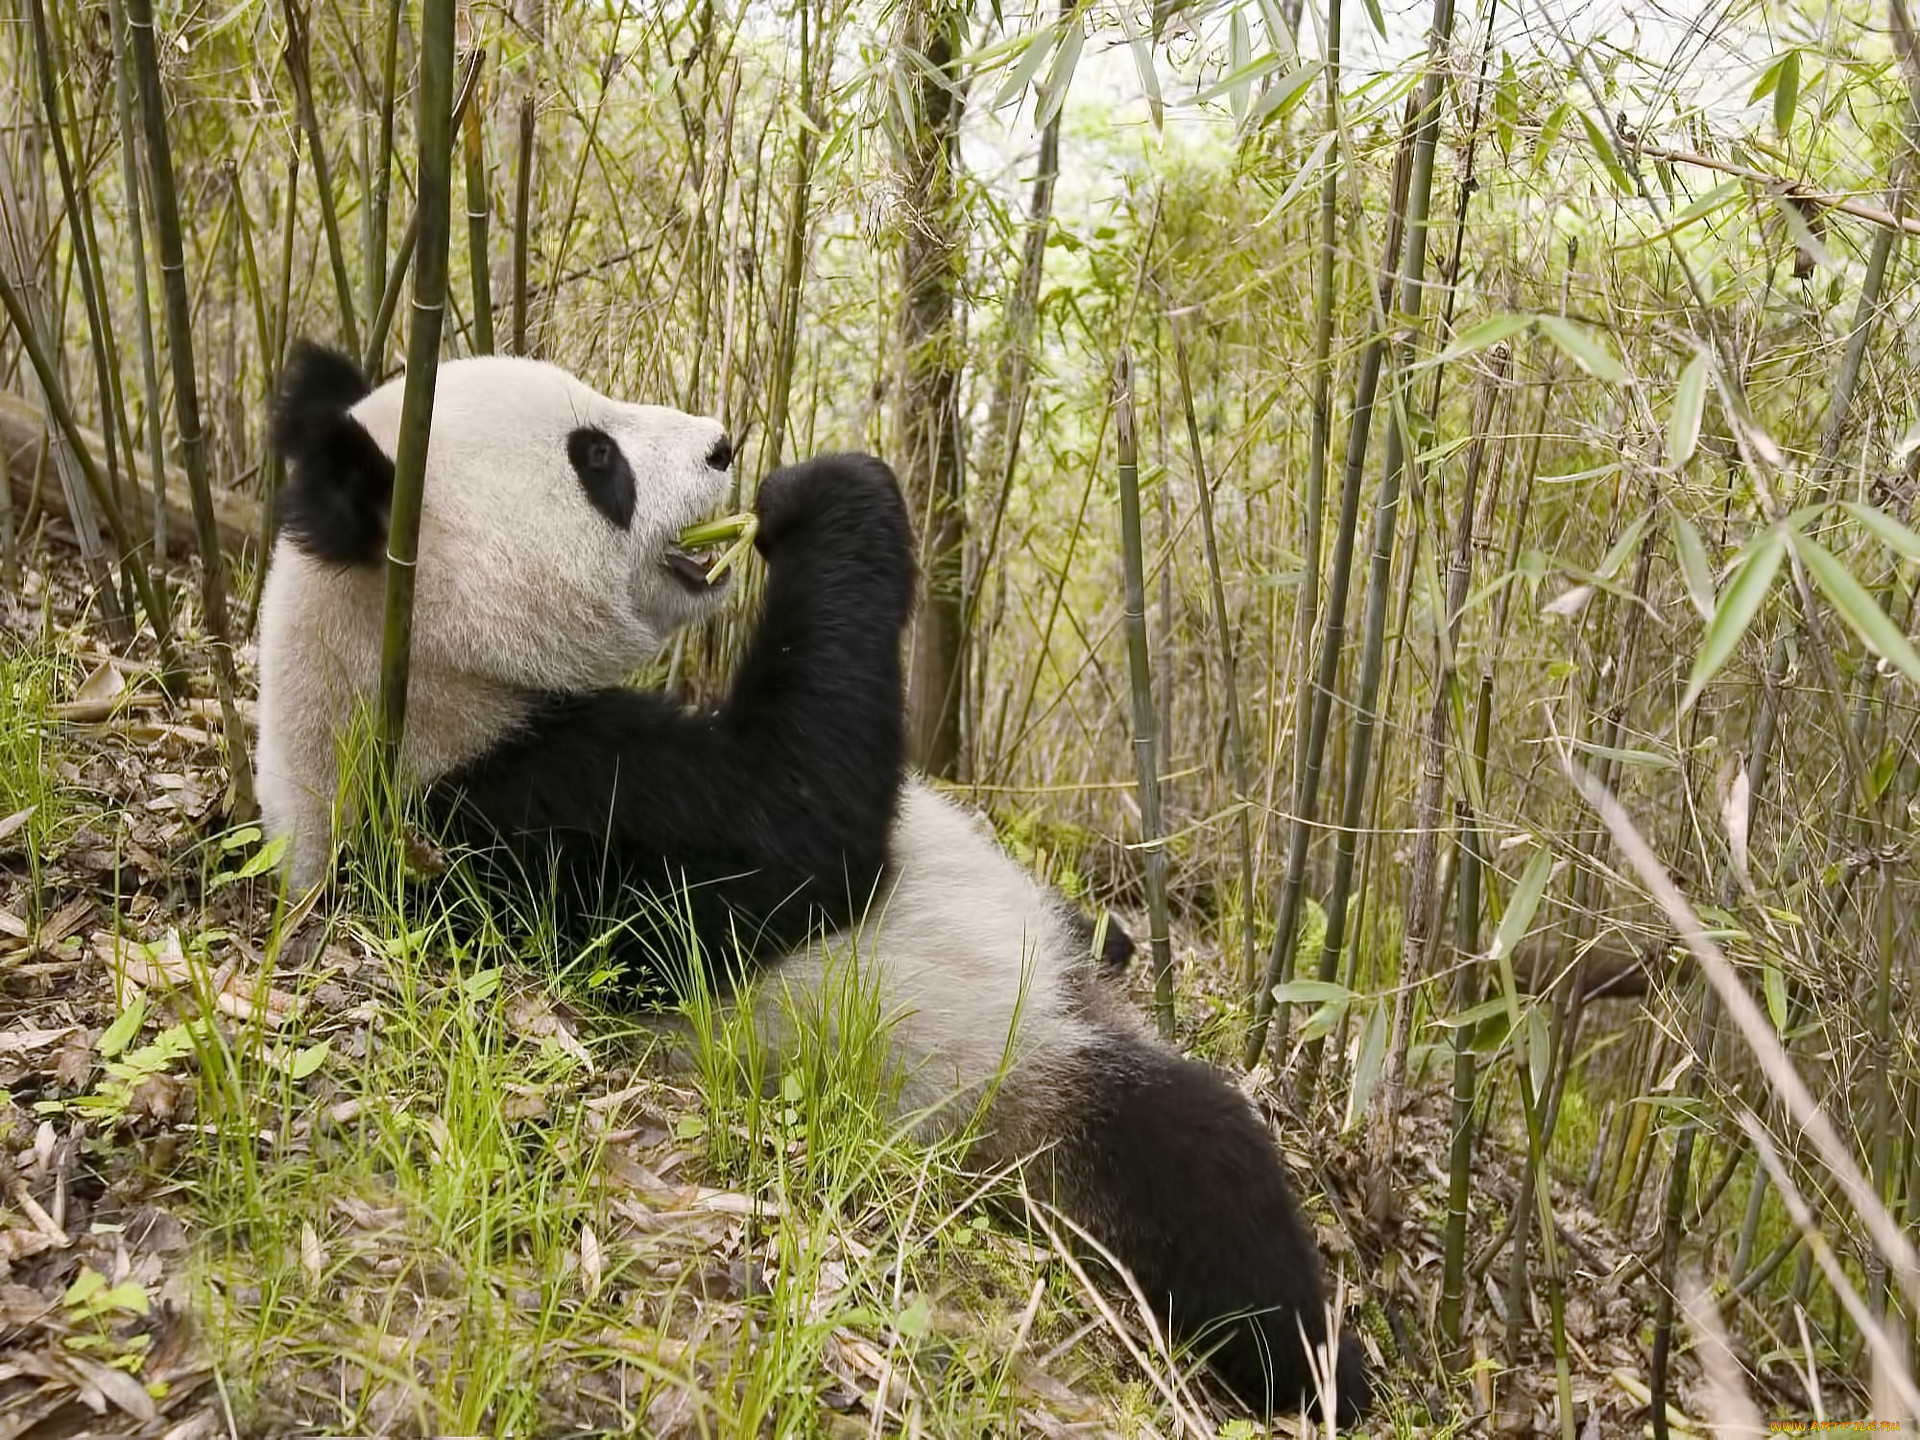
[{"x": 604, "y": 473}]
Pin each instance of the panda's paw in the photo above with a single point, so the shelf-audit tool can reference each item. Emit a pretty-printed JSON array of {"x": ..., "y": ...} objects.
[{"x": 852, "y": 502}]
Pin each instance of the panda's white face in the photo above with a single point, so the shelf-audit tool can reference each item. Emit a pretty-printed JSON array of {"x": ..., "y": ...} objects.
[
  {"x": 547, "y": 556},
  {"x": 546, "y": 563}
]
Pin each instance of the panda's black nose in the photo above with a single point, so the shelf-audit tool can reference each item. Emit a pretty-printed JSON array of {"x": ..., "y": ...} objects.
[{"x": 720, "y": 457}]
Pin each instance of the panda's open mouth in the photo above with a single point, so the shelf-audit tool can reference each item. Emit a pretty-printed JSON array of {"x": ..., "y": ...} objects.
[{"x": 694, "y": 571}]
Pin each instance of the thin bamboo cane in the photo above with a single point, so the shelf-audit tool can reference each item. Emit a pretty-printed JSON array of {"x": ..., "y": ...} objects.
[
  {"x": 433, "y": 210},
  {"x": 186, "y": 398},
  {"x": 297, "y": 55},
  {"x": 1140, "y": 671}
]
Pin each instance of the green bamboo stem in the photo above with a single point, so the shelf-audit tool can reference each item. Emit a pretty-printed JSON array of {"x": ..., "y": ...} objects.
[
  {"x": 1230, "y": 697},
  {"x": 186, "y": 397},
  {"x": 1386, "y": 511},
  {"x": 1306, "y": 762},
  {"x": 479, "y": 205},
  {"x": 433, "y": 210},
  {"x": 1140, "y": 672},
  {"x": 142, "y": 301},
  {"x": 91, "y": 288},
  {"x": 522, "y": 202},
  {"x": 1334, "y": 621},
  {"x": 380, "y": 178},
  {"x": 297, "y": 56}
]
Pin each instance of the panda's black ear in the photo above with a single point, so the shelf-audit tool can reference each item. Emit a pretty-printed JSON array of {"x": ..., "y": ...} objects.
[{"x": 339, "y": 482}]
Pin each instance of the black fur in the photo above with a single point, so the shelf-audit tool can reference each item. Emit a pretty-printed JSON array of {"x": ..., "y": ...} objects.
[
  {"x": 766, "y": 820},
  {"x": 339, "y": 483},
  {"x": 1165, "y": 1163},
  {"x": 604, "y": 473},
  {"x": 1116, "y": 948}
]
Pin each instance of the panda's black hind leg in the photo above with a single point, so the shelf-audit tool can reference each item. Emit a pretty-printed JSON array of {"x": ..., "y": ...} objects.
[{"x": 1165, "y": 1164}]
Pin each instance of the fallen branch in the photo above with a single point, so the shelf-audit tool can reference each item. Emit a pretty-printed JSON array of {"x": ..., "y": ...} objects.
[
  {"x": 23, "y": 430},
  {"x": 1790, "y": 189}
]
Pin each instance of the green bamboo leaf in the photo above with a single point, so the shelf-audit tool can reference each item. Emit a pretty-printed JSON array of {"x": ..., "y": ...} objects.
[
  {"x": 1520, "y": 907},
  {"x": 1887, "y": 530},
  {"x": 1689, "y": 400},
  {"x": 1311, "y": 992},
  {"x": 1585, "y": 348},
  {"x": 1142, "y": 49},
  {"x": 1379, "y": 20},
  {"x": 1623, "y": 548},
  {"x": 1775, "y": 985},
  {"x": 1239, "y": 53},
  {"x": 1769, "y": 78},
  {"x": 1857, "y": 607},
  {"x": 1603, "y": 147},
  {"x": 1038, "y": 46},
  {"x": 1735, "y": 612},
  {"x": 1490, "y": 331},
  {"x": 1060, "y": 78},
  {"x": 1694, "y": 566},
  {"x": 1369, "y": 1066},
  {"x": 1281, "y": 96},
  {"x": 1786, "y": 91},
  {"x": 1308, "y": 170}
]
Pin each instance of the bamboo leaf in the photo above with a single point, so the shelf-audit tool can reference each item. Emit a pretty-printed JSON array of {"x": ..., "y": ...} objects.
[
  {"x": 1525, "y": 900},
  {"x": 1239, "y": 53},
  {"x": 1379, "y": 20},
  {"x": 1694, "y": 567},
  {"x": 1060, "y": 78},
  {"x": 1786, "y": 91},
  {"x": 1142, "y": 49},
  {"x": 1887, "y": 530},
  {"x": 1735, "y": 612},
  {"x": 1488, "y": 332},
  {"x": 1584, "y": 347},
  {"x": 1280, "y": 97},
  {"x": 1312, "y": 992},
  {"x": 1308, "y": 170},
  {"x": 1038, "y": 46},
  {"x": 1689, "y": 400},
  {"x": 1623, "y": 547},
  {"x": 1859, "y": 609},
  {"x": 1370, "y": 1065},
  {"x": 1775, "y": 985},
  {"x": 1603, "y": 147}
]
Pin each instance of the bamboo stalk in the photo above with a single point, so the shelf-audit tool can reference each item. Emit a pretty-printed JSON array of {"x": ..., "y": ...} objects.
[
  {"x": 380, "y": 178},
  {"x": 1412, "y": 291},
  {"x": 142, "y": 302},
  {"x": 1230, "y": 699},
  {"x": 522, "y": 201},
  {"x": 296, "y": 55},
  {"x": 1334, "y": 622},
  {"x": 432, "y": 209},
  {"x": 1140, "y": 670},
  {"x": 186, "y": 400},
  {"x": 479, "y": 205}
]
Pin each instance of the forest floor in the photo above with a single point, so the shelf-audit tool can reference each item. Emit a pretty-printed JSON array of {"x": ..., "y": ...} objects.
[{"x": 378, "y": 1186}]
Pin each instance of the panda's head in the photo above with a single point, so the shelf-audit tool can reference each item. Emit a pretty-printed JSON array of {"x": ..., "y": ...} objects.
[
  {"x": 547, "y": 560},
  {"x": 546, "y": 554}
]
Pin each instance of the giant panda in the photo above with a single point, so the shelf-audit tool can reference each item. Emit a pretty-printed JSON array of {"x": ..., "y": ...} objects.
[{"x": 779, "y": 822}]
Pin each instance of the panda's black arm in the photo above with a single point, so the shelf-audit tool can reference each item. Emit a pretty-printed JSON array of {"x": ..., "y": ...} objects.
[{"x": 774, "y": 812}]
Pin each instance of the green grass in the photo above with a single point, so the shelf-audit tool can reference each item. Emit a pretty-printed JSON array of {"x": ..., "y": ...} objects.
[{"x": 425, "y": 1202}]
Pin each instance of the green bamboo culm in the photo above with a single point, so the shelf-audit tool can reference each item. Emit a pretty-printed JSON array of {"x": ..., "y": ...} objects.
[
  {"x": 186, "y": 395},
  {"x": 1140, "y": 672},
  {"x": 435, "y": 121},
  {"x": 479, "y": 203}
]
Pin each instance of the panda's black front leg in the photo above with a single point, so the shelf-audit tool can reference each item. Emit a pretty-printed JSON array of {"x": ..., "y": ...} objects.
[{"x": 736, "y": 834}]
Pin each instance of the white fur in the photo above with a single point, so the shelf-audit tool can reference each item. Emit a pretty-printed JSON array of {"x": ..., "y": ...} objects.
[
  {"x": 521, "y": 584},
  {"x": 973, "y": 966}
]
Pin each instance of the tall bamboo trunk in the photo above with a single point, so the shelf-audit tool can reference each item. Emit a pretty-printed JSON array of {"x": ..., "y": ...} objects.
[{"x": 928, "y": 417}]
